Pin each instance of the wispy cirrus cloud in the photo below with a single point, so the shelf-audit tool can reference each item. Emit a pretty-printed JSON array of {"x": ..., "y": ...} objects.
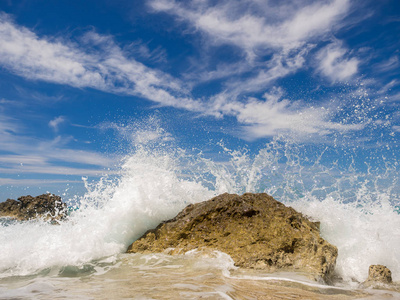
[
  {"x": 33, "y": 182},
  {"x": 279, "y": 66},
  {"x": 7, "y": 126},
  {"x": 33, "y": 151},
  {"x": 274, "y": 115},
  {"x": 257, "y": 24},
  {"x": 109, "y": 69},
  {"x": 23, "y": 154},
  {"x": 53, "y": 170},
  {"x": 392, "y": 64},
  {"x": 275, "y": 38},
  {"x": 24, "y": 53}
]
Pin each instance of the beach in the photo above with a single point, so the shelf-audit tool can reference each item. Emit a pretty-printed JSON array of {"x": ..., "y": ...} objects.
[
  {"x": 160, "y": 276},
  {"x": 83, "y": 256}
]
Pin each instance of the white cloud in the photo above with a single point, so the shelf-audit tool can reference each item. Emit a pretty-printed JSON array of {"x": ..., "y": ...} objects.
[
  {"x": 32, "y": 152},
  {"x": 109, "y": 69},
  {"x": 283, "y": 31},
  {"x": 335, "y": 64},
  {"x": 54, "y": 170},
  {"x": 34, "y": 182},
  {"x": 29, "y": 157},
  {"x": 388, "y": 86},
  {"x": 271, "y": 118},
  {"x": 81, "y": 157},
  {"x": 7, "y": 126},
  {"x": 29, "y": 56},
  {"x": 141, "y": 49},
  {"x": 24, "y": 154},
  {"x": 394, "y": 97},
  {"x": 274, "y": 115},
  {"x": 22, "y": 160},
  {"x": 279, "y": 66},
  {"x": 276, "y": 37},
  {"x": 254, "y": 24},
  {"x": 393, "y": 63},
  {"x": 56, "y": 122}
]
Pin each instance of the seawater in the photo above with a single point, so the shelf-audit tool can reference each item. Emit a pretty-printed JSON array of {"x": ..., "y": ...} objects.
[{"x": 357, "y": 205}]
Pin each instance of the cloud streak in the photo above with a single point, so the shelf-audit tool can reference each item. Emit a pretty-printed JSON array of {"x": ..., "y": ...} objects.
[
  {"x": 34, "y": 182},
  {"x": 257, "y": 24},
  {"x": 283, "y": 32},
  {"x": 274, "y": 115},
  {"x": 28, "y": 155},
  {"x": 64, "y": 62},
  {"x": 275, "y": 37},
  {"x": 22, "y": 52}
]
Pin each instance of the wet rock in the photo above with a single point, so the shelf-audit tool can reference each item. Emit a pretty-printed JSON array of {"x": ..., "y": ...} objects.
[
  {"x": 47, "y": 206},
  {"x": 378, "y": 274},
  {"x": 254, "y": 229}
]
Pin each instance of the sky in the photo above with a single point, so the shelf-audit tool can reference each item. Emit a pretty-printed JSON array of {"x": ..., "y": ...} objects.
[{"x": 82, "y": 80}]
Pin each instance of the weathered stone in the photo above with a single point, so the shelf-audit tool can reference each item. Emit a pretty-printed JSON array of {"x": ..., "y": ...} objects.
[
  {"x": 254, "y": 229},
  {"x": 378, "y": 274},
  {"x": 47, "y": 206}
]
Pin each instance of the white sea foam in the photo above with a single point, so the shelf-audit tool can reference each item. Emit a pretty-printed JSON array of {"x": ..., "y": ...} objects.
[
  {"x": 110, "y": 216},
  {"x": 364, "y": 235},
  {"x": 356, "y": 208}
]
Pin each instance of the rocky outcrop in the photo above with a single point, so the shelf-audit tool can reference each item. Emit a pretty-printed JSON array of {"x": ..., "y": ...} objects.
[
  {"x": 47, "y": 206},
  {"x": 254, "y": 229},
  {"x": 378, "y": 274}
]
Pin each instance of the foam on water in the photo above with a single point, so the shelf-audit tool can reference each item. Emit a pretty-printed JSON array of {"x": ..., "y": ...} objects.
[
  {"x": 364, "y": 235},
  {"x": 357, "y": 208},
  {"x": 110, "y": 216}
]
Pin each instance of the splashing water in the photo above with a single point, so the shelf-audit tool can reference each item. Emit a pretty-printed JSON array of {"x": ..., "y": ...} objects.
[
  {"x": 110, "y": 216},
  {"x": 356, "y": 204}
]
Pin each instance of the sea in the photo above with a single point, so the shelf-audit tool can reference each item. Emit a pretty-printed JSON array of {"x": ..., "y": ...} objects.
[{"x": 353, "y": 191}]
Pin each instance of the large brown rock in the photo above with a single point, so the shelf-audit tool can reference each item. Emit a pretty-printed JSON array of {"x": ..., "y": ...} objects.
[
  {"x": 254, "y": 229},
  {"x": 47, "y": 206}
]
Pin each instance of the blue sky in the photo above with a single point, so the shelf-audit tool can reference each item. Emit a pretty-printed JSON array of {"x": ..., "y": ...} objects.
[{"x": 79, "y": 79}]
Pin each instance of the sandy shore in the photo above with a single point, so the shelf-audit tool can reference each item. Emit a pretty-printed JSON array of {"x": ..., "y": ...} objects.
[{"x": 159, "y": 276}]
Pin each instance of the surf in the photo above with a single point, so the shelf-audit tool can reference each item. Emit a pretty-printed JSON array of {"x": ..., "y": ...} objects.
[{"x": 356, "y": 204}]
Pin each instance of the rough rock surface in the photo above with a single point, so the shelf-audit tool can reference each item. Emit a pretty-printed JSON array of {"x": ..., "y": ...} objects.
[
  {"x": 379, "y": 274},
  {"x": 46, "y": 206},
  {"x": 254, "y": 229}
]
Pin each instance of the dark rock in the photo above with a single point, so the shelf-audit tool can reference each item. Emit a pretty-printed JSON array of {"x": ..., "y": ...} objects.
[
  {"x": 47, "y": 206},
  {"x": 254, "y": 229}
]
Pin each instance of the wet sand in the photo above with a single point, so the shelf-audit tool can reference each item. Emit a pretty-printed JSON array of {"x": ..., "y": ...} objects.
[{"x": 176, "y": 277}]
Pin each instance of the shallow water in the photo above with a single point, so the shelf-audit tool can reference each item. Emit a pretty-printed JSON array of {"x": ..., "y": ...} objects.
[{"x": 159, "y": 276}]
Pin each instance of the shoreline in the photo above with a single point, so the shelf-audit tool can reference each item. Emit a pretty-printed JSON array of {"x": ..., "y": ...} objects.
[
  {"x": 193, "y": 274},
  {"x": 163, "y": 276}
]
